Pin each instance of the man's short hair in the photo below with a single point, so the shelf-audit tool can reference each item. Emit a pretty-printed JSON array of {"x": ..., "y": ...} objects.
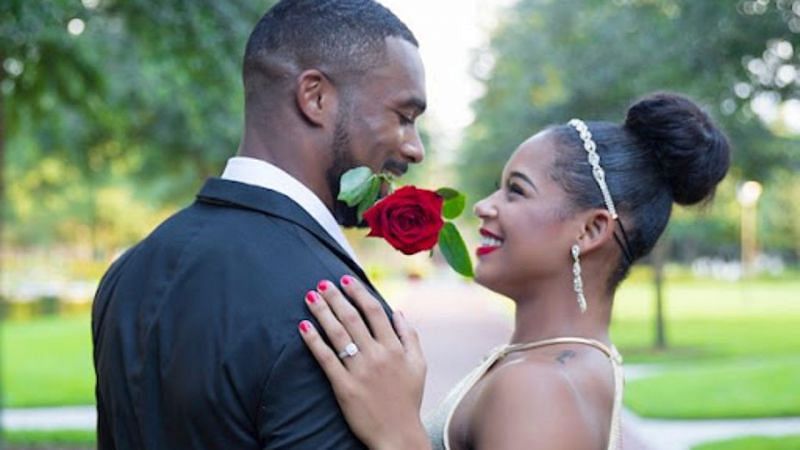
[{"x": 338, "y": 36}]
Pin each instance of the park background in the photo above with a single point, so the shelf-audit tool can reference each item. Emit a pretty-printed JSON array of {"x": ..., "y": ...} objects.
[{"x": 114, "y": 111}]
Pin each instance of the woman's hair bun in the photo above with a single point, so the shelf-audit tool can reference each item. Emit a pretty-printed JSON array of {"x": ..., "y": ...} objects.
[{"x": 693, "y": 153}]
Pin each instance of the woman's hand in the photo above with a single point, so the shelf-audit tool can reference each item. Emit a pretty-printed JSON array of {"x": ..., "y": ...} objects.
[{"x": 379, "y": 381}]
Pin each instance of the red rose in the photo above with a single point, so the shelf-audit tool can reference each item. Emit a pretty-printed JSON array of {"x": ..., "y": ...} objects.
[{"x": 409, "y": 218}]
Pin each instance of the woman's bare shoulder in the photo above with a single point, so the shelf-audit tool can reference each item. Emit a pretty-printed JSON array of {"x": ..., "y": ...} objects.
[{"x": 537, "y": 401}]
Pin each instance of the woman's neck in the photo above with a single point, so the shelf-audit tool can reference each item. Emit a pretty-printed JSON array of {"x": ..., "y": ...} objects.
[{"x": 552, "y": 311}]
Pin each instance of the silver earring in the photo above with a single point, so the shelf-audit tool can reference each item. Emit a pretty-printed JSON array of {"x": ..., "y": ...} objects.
[{"x": 576, "y": 277}]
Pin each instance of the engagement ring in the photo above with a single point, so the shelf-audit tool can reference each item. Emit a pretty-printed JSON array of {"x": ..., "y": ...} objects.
[{"x": 349, "y": 350}]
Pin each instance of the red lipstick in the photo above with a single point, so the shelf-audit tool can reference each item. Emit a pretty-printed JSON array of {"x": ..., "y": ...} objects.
[{"x": 486, "y": 249}]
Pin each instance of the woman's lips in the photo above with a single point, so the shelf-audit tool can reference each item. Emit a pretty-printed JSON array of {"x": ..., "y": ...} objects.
[
  {"x": 485, "y": 250},
  {"x": 489, "y": 242}
]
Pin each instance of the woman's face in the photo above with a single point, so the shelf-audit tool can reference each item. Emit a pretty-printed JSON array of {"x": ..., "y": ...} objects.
[{"x": 527, "y": 228}]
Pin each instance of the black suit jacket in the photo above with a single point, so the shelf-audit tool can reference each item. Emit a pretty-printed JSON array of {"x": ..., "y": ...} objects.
[{"x": 195, "y": 330}]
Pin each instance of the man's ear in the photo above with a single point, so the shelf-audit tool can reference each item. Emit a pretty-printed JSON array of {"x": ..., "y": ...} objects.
[
  {"x": 597, "y": 229},
  {"x": 316, "y": 98}
]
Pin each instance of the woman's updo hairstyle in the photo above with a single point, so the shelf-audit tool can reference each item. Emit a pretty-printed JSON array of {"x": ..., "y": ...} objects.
[{"x": 667, "y": 150}]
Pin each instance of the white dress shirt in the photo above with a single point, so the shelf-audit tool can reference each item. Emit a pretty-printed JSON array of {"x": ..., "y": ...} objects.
[{"x": 263, "y": 174}]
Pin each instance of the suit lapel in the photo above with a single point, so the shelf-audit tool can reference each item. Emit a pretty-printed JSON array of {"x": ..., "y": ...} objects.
[{"x": 239, "y": 195}]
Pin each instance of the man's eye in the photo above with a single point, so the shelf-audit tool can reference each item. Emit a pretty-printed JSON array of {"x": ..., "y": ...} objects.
[{"x": 405, "y": 120}]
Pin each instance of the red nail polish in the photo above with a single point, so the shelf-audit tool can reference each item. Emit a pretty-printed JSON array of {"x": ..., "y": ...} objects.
[
  {"x": 305, "y": 326},
  {"x": 347, "y": 280},
  {"x": 311, "y": 297},
  {"x": 322, "y": 286}
]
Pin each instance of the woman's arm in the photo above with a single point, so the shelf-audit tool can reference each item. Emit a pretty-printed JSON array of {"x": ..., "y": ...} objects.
[{"x": 379, "y": 388}]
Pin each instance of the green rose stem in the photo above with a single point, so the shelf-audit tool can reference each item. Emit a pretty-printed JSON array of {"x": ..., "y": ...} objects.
[{"x": 360, "y": 188}]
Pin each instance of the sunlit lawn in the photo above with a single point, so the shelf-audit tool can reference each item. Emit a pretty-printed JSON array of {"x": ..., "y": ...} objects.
[
  {"x": 734, "y": 351},
  {"x": 735, "y": 389},
  {"x": 47, "y": 361},
  {"x": 30, "y": 439},
  {"x": 710, "y": 319},
  {"x": 754, "y": 443}
]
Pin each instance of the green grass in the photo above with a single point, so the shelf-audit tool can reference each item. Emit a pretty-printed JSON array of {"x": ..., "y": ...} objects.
[
  {"x": 731, "y": 390},
  {"x": 710, "y": 320},
  {"x": 754, "y": 443},
  {"x": 47, "y": 361},
  {"x": 694, "y": 339},
  {"x": 733, "y": 348},
  {"x": 48, "y": 439}
]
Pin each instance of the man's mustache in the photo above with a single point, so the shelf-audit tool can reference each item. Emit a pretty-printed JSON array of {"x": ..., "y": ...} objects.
[{"x": 395, "y": 167}]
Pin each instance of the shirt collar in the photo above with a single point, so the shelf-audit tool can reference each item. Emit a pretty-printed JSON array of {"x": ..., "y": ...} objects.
[{"x": 260, "y": 173}]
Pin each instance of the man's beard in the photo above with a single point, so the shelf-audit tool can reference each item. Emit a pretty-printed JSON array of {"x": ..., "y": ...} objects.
[{"x": 346, "y": 216}]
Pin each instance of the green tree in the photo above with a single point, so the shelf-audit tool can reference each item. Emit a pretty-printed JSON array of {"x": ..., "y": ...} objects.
[
  {"x": 550, "y": 61},
  {"x": 117, "y": 93}
]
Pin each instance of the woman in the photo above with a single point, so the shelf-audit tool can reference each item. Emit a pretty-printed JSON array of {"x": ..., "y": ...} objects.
[{"x": 578, "y": 205}]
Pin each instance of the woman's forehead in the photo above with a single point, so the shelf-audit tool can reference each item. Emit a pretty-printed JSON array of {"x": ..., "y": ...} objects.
[{"x": 533, "y": 155}]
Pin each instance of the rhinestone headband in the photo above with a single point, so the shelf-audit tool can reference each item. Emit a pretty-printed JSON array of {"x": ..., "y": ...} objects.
[{"x": 594, "y": 159}]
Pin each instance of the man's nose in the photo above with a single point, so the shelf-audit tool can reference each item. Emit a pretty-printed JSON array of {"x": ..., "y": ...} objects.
[{"x": 413, "y": 149}]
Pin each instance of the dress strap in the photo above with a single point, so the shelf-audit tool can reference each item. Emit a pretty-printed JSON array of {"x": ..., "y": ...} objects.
[{"x": 611, "y": 352}]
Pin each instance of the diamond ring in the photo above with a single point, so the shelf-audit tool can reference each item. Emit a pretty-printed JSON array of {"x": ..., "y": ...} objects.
[{"x": 349, "y": 350}]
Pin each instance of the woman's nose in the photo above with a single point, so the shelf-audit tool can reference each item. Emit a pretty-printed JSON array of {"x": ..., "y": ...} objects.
[{"x": 485, "y": 209}]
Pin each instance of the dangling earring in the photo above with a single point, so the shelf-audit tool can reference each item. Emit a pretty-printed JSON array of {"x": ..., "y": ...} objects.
[{"x": 576, "y": 277}]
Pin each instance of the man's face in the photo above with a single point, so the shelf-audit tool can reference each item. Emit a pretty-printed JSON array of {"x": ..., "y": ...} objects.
[{"x": 376, "y": 126}]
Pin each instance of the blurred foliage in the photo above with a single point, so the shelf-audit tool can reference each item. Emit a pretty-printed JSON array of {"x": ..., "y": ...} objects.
[
  {"x": 111, "y": 102},
  {"x": 550, "y": 61},
  {"x": 115, "y": 111}
]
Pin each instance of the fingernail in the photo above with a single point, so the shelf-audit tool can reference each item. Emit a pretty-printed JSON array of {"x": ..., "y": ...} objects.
[
  {"x": 322, "y": 286},
  {"x": 311, "y": 297},
  {"x": 347, "y": 280},
  {"x": 304, "y": 326}
]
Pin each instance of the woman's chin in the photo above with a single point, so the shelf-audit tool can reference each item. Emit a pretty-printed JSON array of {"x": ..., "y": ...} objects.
[{"x": 485, "y": 277}]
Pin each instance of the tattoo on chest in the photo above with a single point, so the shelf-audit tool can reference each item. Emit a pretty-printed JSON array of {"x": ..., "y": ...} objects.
[{"x": 564, "y": 356}]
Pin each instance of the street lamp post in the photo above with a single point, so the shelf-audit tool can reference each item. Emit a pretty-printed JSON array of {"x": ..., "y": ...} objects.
[{"x": 747, "y": 196}]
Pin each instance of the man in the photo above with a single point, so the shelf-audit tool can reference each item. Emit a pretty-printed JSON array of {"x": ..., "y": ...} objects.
[{"x": 194, "y": 328}]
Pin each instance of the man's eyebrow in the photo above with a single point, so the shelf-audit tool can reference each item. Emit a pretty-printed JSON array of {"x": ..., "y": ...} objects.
[
  {"x": 416, "y": 103},
  {"x": 525, "y": 178}
]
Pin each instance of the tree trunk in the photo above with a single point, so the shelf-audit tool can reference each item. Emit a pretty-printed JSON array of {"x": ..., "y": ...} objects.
[{"x": 659, "y": 257}]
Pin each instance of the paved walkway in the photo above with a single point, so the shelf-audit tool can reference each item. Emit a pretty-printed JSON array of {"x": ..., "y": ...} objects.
[
  {"x": 71, "y": 417},
  {"x": 459, "y": 323}
]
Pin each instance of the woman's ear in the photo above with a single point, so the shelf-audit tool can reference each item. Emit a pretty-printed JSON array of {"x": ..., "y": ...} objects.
[
  {"x": 597, "y": 228},
  {"x": 316, "y": 98}
]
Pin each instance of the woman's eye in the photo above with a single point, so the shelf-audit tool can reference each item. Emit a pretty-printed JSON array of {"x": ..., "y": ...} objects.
[{"x": 514, "y": 188}]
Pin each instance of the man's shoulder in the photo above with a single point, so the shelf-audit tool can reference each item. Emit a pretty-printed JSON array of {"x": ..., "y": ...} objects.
[{"x": 221, "y": 228}]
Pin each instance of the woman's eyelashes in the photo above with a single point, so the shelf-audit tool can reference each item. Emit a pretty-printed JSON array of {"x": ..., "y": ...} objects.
[
  {"x": 513, "y": 189},
  {"x": 510, "y": 188}
]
